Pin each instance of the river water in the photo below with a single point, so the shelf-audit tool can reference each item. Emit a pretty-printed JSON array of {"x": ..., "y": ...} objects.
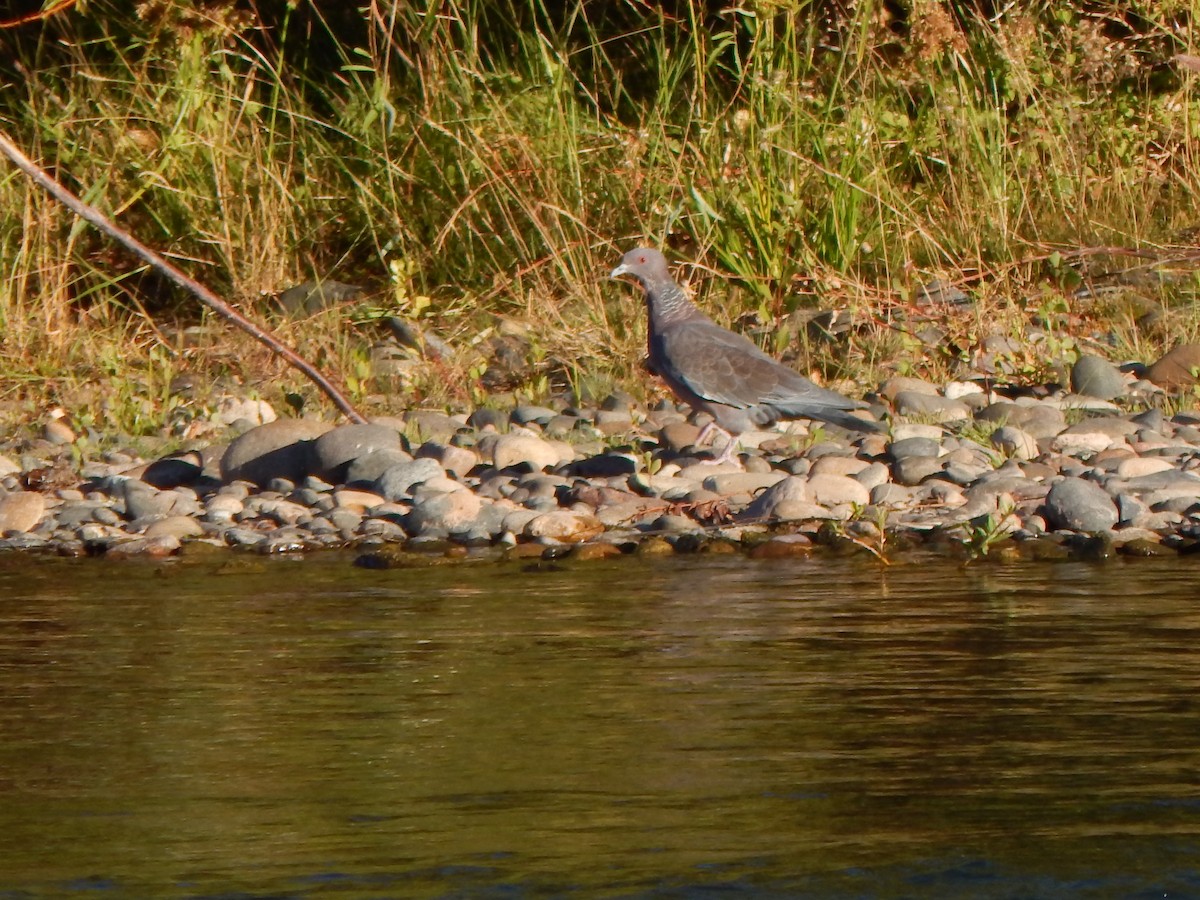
[{"x": 702, "y": 726}]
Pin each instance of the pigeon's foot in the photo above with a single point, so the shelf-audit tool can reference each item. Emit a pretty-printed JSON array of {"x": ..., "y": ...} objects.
[{"x": 727, "y": 455}]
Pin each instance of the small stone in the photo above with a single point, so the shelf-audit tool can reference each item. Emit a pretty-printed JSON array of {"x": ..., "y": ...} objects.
[
  {"x": 430, "y": 425},
  {"x": 1096, "y": 377},
  {"x": 730, "y": 483},
  {"x": 243, "y": 409},
  {"x": 1177, "y": 368},
  {"x": 565, "y": 526},
  {"x": 459, "y": 460},
  {"x": 1137, "y": 466},
  {"x": 398, "y": 482},
  {"x": 915, "y": 469},
  {"x": 1081, "y": 442},
  {"x": 906, "y": 448},
  {"x": 839, "y": 465},
  {"x": 539, "y": 415},
  {"x": 931, "y": 407},
  {"x": 892, "y": 495},
  {"x": 335, "y": 450},
  {"x": 766, "y": 505},
  {"x": 893, "y": 387},
  {"x": 178, "y": 527},
  {"x": 57, "y": 431},
  {"x": 872, "y": 476},
  {"x": 21, "y": 511},
  {"x": 655, "y": 546},
  {"x": 488, "y": 418},
  {"x": 783, "y": 546},
  {"x": 149, "y": 547},
  {"x": 357, "y": 501},
  {"x": 831, "y": 490},
  {"x": 613, "y": 422},
  {"x": 514, "y": 449},
  {"x": 679, "y": 436},
  {"x": 1015, "y": 442},
  {"x": 277, "y": 449},
  {"x": 1079, "y": 505},
  {"x": 593, "y": 551},
  {"x": 446, "y": 513},
  {"x": 173, "y": 471}
]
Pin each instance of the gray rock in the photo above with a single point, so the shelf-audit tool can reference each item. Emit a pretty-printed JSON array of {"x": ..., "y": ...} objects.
[
  {"x": 931, "y": 407},
  {"x": 608, "y": 465},
  {"x": 366, "y": 469},
  {"x": 890, "y": 494},
  {"x": 528, "y": 449},
  {"x": 173, "y": 471},
  {"x": 179, "y": 527},
  {"x": 912, "y": 470},
  {"x": 525, "y": 414},
  {"x": 778, "y": 501},
  {"x": 832, "y": 490},
  {"x": 459, "y": 460},
  {"x": 430, "y": 425},
  {"x": 397, "y": 482},
  {"x": 1096, "y": 377},
  {"x": 1015, "y": 442},
  {"x": 279, "y": 449},
  {"x": 444, "y": 514},
  {"x": 335, "y": 450},
  {"x": 728, "y": 483},
  {"x": 899, "y": 384},
  {"x": 907, "y": 448},
  {"x": 1079, "y": 505},
  {"x": 487, "y": 417},
  {"x": 143, "y": 501}
]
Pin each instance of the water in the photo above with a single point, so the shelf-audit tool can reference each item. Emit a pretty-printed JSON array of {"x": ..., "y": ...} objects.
[{"x": 694, "y": 727}]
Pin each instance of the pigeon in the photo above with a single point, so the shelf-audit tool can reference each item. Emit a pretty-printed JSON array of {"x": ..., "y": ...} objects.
[{"x": 722, "y": 373}]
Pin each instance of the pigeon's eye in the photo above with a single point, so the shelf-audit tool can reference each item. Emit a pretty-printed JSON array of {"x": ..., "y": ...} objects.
[{"x": 641, "y": 260}]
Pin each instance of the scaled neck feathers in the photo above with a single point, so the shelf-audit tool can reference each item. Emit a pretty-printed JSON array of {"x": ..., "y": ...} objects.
[{"x": 668, "y": 304}]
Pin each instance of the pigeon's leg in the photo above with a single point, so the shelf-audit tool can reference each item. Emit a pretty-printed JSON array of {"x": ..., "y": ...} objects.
[{"x": 728, "y": 455}]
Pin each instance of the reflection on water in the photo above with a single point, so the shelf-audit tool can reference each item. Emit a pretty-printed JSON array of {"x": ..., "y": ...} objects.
[{"x": 808, "y": 728}]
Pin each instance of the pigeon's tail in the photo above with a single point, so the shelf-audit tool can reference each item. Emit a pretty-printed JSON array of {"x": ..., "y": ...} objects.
[{"x": 842, "y": 418}]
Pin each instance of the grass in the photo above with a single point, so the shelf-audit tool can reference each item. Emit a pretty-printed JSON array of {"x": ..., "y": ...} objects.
[{"x": 477, "y": 165}]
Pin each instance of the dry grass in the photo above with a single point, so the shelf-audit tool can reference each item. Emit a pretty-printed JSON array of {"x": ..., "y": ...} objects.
[{"x": 494, "y": 160}]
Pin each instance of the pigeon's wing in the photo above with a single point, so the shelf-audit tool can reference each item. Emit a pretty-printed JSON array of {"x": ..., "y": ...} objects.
[
  {"x": 717, "y": 365},
  {"x": 700, "y": 359}
]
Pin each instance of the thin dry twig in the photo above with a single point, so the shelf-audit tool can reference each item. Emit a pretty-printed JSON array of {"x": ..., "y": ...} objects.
[
  {"x": 37, "y": 15},
  {"x": 203, "y": 294}
]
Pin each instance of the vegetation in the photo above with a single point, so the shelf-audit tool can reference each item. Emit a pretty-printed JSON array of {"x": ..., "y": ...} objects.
[{"x": 479, "y": 165}]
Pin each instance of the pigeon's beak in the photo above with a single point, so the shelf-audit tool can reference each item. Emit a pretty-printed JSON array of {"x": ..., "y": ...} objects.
[{"x": 620, "y": 270}]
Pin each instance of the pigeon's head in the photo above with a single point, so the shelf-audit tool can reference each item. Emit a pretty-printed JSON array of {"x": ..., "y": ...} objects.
[{"x": 645, "y": 264}]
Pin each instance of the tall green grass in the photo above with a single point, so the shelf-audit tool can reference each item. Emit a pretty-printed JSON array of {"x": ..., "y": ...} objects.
[{"x": 494, "y": 158}]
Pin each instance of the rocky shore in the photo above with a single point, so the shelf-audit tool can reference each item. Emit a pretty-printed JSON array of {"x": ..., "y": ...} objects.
[{"x": 1081, "y": 471}]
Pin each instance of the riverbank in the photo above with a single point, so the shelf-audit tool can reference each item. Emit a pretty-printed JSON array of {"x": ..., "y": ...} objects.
[{"x": 1038, "y": 473}]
